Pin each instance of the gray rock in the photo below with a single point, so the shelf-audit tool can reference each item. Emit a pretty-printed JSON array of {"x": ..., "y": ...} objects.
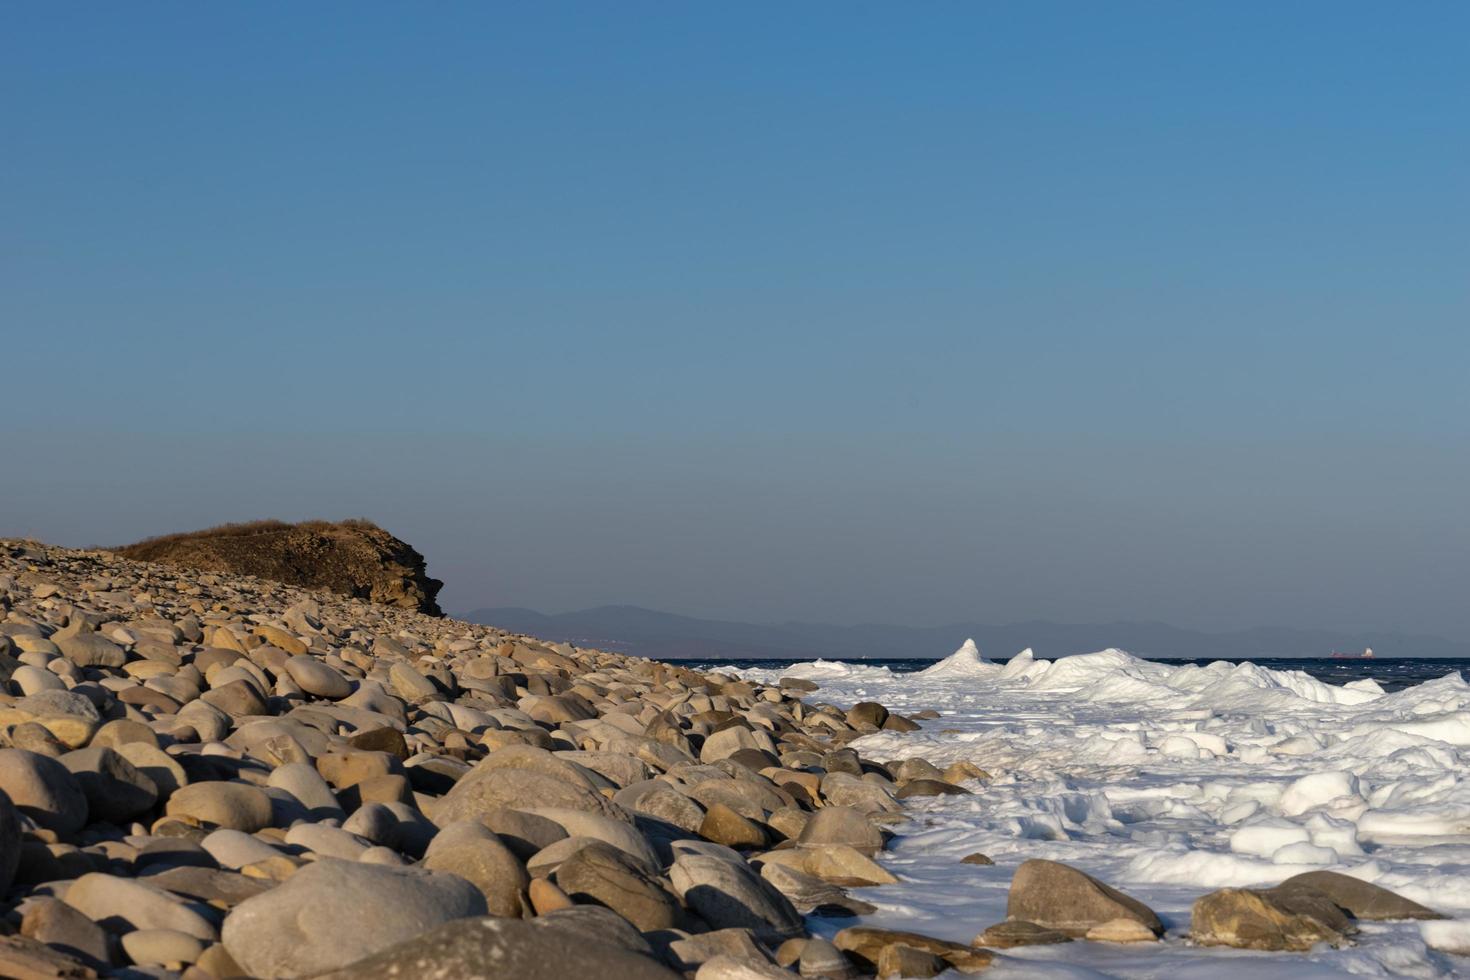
[
  {"x": 1059, "y": 896},
  {"x": 307, "y": 786},
  {"x": 373, "y": 822},
  {"x": 325, "y": 840},
  {"x": 730, "y": 968},
  {"x": 316, "y": 678},
  {"x": 57, "y": 924},
  {"x": 161, "y": 947},
  {"x": 811, "y": 895},
  {"x": 123, "y": 904},
  {"x": 1359, "y": 898},
  {"x": 44, "y": 790},
  {"x": 523, "y": 789},
  {"x": 116, "y": 791},
  {"x": 819, "y": 958},
  {"x": 843, "y": 825},
  {"x": 160, "y": 767},
  {"x": 689, "y": 952},
  {"x": 235, "y": 849},
  {"x": 473, "y": 852},
  {"x": 596, "y": 924},
  {"x": 579, "y": 823},
  {"x": 603, "y": 875},
  {"x": 658, "y": 799},
  {"x": 525, "y": 834},
  {"x": 728, "y": 894},
  {"x": 86, "y": 649},
  {"x": 333, "y": 913},
  {"x": 517, "y": 949}
]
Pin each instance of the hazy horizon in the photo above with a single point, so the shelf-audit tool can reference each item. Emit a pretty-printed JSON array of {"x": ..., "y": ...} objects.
[{"x": 827, "y": 313}]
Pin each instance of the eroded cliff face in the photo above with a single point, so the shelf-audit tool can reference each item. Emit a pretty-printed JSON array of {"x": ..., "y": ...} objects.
[{"x": 355, "y": 558}]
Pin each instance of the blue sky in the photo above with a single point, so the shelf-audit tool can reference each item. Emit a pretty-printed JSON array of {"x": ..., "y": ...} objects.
[{"x": 853, "y": 312}]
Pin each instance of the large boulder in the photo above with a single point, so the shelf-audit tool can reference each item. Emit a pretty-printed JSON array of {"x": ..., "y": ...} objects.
[
  {"x": 1274, "y": 919},
  {"x": 468, "y": 948},
  {"x": 332, "y": 913},
  {"x": 1358, "y": 898},
  {"x": 1059, "y": 896}
]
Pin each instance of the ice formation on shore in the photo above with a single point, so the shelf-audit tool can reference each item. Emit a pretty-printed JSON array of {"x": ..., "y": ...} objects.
[{"x": 1169, "y": 781}]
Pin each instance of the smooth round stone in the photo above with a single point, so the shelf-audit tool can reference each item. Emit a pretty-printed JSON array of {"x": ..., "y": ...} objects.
[
  {"x": 383, "y": 855},
  {"x": 843, "y": 825},
  {"x": 234, "y": 849},
  {"x": 116, "y": 791},
  {"x": 122, "y": 904},
  {"x": 68, "y": 715},
  {"x": 90, "y": 650},
  {"x": 304, "y": 783},
  {"x": 327, "y": 841},
  {"x": 156, "y": 764},
  {"x": 44, "y": 790},
  {"x": 236, "y": 806},
  {"x": 317, "y": 679},
  {"x": 603, "y": 875},
  {"x": 147, "y": 947},
  {"x": 34, "y": 680},
  {"x": 333, "y": 913},
  {"x": 123, "y": 731},
  {"x": 474, "y": 853},
  {"x": 373, "y": 822},
  {"x": 524, "y": 950}
]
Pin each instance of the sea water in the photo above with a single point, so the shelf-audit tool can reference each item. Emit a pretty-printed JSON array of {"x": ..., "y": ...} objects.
[{"x": 1169, "y": 780}]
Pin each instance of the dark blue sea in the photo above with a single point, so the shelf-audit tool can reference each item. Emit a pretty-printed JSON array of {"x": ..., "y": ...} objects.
[{"x": 1391, "y": 673}]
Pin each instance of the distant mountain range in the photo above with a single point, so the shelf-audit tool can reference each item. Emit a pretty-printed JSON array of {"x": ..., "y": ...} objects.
[{"x": 665, "y": 636}]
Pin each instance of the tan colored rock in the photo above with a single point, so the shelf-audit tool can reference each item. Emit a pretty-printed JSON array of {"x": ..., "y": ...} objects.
[
  {"x": 842, "y": 825},
  {"x": 724, "y": 826},
  {"x": 546, "y": 897},
  {"x": 1249, "y": 919},
  {"x": 1052, "y": 894},
  {"x": 1016, "y": 932},
  {"x": 865, "y": 945},
  {"x": 840, "y": 864},
  {"x": 1121, "y": 931},
  {"x": 601, "y": 874},
  {"x": 236, "y": 806},
  {"x": 283, "y": 639},
  {"x": 899, "y": 962}
]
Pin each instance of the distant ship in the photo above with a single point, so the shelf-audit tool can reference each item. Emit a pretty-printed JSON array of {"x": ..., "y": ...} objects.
[{"x": 1365, "y": 655}]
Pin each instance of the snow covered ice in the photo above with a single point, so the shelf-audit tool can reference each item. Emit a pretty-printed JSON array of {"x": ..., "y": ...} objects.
[{"x": 1169, "y": 782}]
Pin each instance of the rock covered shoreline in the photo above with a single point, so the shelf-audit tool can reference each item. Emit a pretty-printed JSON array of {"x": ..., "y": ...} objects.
[{"x": 209, "y": 775}]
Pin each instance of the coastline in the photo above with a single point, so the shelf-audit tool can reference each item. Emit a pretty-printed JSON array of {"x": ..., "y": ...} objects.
[{"x": 218, "y": 776}]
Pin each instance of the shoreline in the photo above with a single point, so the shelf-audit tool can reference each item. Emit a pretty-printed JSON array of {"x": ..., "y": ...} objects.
[{"x": 215, "y": 776}]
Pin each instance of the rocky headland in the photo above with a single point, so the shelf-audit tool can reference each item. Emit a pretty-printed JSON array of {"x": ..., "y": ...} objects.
[
  {"x": 217, "y": 775},
  {"x": 352, "y": 558}
]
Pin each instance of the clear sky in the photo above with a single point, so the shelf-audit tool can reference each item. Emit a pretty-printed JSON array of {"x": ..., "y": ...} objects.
[{"x": 835, "y": 311}]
